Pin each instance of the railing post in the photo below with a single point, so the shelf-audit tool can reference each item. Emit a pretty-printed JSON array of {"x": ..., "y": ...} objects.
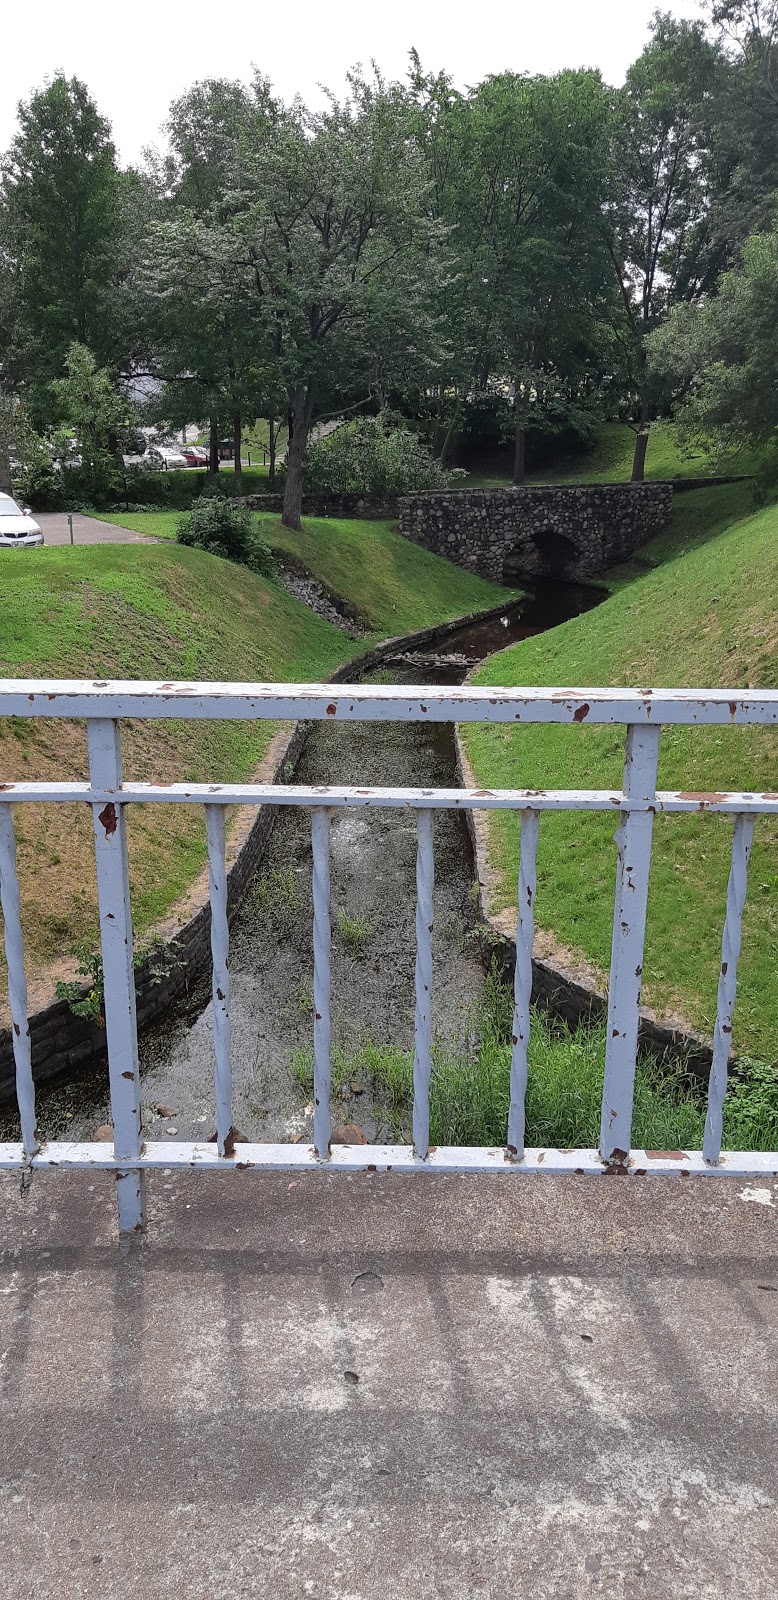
[
  {"x": 522, "y": 983},
  {"x": 629, "y": 932},
  {"x": 422, "y": 1056},
  {"x": 215, "y": 828},
  {"x": 742, "y": 840},
  {"x": 17, "y": 983},
  {"x": 322, "y": 939},
  {"x": 113, "y": 895}
]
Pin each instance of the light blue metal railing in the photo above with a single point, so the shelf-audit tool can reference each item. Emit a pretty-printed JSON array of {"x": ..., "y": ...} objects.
[{"x": 642, "y": 711}]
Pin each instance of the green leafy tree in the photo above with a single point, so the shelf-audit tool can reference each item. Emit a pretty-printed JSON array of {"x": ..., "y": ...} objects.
[
  {"x": 95, "y": 412},
  {"x": 327, "y": 251},
  {"x": 658, "y": 240},
  {"x": 58, "y": 223},
  {"x": 519, "y": 171},
  {"x": 719, "y": 359}
]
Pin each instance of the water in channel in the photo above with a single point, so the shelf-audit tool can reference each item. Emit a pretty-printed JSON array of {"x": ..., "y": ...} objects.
[{"x": 373, "y": 909}]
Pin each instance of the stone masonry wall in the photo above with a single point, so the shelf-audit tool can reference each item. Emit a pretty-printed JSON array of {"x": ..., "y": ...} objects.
[
  {"x": 572, "y": 532},
  {"x": 368, "y": 508}
]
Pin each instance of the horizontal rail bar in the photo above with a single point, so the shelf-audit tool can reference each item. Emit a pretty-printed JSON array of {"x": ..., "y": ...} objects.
[
  {"x": 41, "y": 697},
  {"x": 391, "y": 1158},
  {"x": 239, "y": 794}
]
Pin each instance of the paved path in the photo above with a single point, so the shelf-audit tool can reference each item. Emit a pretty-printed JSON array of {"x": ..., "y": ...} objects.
[
  {"x": 86, "y": 530},
  {"x": 390, "y": 1388}
]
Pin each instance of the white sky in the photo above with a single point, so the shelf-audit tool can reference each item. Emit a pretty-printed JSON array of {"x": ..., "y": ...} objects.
[{"x": 137, "y": 56}]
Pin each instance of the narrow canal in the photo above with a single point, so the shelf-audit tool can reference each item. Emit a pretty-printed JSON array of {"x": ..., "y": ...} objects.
[{"x": 373, "y": 855}]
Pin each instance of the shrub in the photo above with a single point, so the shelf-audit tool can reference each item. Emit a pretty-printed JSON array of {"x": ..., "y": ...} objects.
[
  {"x": 372, "y": 456},
  {"x": 217, "y": 525}
]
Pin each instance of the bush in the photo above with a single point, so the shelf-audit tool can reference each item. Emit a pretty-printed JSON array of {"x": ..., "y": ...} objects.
[
  {"x": 372, "y": 456},
  {"x": 217, "y": 525}
]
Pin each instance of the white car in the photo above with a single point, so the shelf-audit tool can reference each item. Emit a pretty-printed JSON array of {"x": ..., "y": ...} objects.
[
  {"x": 162, "y": 459},
  {"x": 18, "y": 528}
]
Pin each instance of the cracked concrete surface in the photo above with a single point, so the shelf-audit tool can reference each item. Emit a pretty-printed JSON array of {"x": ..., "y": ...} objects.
[{"x": 376, "y": 1386}]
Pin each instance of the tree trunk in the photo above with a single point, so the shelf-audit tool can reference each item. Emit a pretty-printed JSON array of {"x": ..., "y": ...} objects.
[
  {"x": 272, "y": 441},
  {"x": 300, "y": 413},
  {"x": 519, "y": 451},
  {"x": 213, "y": 446},
  {"x": 641, "y": 446},
  {"x": 237, "y": 436},
  {"x": 5, "y": 458},
  {"x": 449, "y": 441}
]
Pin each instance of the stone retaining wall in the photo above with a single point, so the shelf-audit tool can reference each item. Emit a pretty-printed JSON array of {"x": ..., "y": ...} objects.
[
  {"x": 571, "y": 532},
  {"x": 369, "y": 508}
]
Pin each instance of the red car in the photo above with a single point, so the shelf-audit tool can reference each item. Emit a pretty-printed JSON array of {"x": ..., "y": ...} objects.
[{"x": 195, "y": 455}]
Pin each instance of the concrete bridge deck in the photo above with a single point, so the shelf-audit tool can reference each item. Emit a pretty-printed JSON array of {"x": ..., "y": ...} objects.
[{"x": 371, "y": 1387}]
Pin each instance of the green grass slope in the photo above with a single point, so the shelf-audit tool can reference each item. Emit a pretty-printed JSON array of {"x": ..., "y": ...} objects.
[
  {"x": 610, "y": 461},
  {"x": 137, "y": 612},
  {"x": 707, "y": 618},
  {"x": 393, "y": 586},
  {"x": 163, "y": 611}
]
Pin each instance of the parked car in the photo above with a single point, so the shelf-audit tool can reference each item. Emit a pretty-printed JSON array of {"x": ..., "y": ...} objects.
[
  {"x": 18, "y": 528},
  {"x": 195, "y": 455},
  {"x": 161, "y": 459}
]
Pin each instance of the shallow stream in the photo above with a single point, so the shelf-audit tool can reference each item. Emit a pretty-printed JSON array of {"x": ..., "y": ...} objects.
[{"x": 373, "y": 855}]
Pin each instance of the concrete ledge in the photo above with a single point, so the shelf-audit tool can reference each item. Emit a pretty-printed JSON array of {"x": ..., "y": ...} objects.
[{"x": 385, "y": 1390}]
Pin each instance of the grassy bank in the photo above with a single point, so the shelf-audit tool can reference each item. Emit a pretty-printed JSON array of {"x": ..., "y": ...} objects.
[
  {"x": 470, "y": 1092},
  {"x": 707, "y": 617},
  {"x": 163, "y": 611},
  {"x": 609, "y": 460},
  {"x": 391, "y": 585}
]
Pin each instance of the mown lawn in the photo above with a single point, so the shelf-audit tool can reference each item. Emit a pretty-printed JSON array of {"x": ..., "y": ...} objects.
[
  {"x": 610, "y": 461},
  {"x": 393, "y": 586},
  {"x": 707, "y": 618},
  {"x": 138, "y": 612},
  {"x": 164, "y": 611}
]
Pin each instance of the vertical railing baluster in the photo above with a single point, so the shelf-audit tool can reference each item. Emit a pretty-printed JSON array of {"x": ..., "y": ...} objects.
[
  {"x": 422, "y": 1055},
  {"x": 629, "y": 932},
  {"x": 113, "y": 896},
  {"x": 215, "y": 830},
  {"x": 17, "y": 983},
  {"x": 322, "y": 938},
  {"x": 742, "y": 840},
  {"x": 522, "y": 983}
]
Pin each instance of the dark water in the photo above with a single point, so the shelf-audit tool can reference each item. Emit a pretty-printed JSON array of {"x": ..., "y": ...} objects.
[{"x": 373, "y": 854}]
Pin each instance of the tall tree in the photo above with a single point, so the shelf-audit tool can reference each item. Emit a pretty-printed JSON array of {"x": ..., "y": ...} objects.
[
  {"x": 719, "y": 358},
  {"x": 327, "y": 246},
  {"x": 658, "y": 239},
  {"x": 58, "y": 220},
  {"x": 524, "y": 197}
]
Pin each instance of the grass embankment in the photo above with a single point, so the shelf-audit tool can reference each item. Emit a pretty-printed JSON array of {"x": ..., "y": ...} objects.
[
  {"x": 391, "y": 585},
  {"x": 707, "y": 618},
  {"x": 165, "y": 612},
  {"x": 610, "y": 461}
]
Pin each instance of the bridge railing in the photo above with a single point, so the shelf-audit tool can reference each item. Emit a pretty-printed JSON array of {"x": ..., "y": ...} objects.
[{"x": 643, "y": 712}]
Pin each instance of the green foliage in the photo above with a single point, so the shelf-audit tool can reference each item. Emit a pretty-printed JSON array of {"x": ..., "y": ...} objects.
[
  {"x": 372, "y": 456},
  {"x": 86, "y": 998},
  {"x": 720, "y": 358},
  {"x": 59, "y": 221},
  {"x": 224, "y": 529},
  {"x": 94, "y": 412},
  {"x": 470, "y": 1088},
  {"x": 353, "y": 931}
]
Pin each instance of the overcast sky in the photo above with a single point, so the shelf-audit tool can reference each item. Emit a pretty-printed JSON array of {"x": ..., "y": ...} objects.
[{"x": 137, "y": 56}]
